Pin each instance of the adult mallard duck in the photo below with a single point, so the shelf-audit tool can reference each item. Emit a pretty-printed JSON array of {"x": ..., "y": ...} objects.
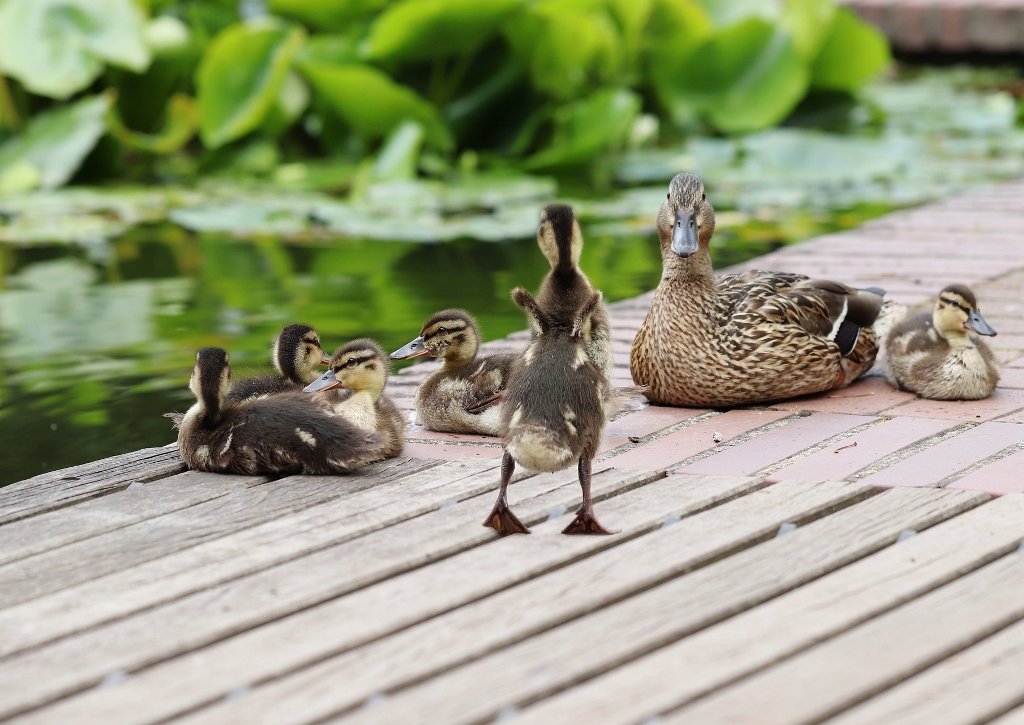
[
  {"x": 362, "y": 367},
  {"x": 285, "y": 433},
  {"x": 743, "y": 338},
  {"x": 296, "y": 355},
  {"x": 935, "y": 355},
  {"x": 464, "y": 395},
  {"x": 559, "y": 392}
]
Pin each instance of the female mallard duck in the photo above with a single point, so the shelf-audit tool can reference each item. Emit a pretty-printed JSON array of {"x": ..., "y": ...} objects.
[
  {"x": 464, "y": 395},
  {"x": 743, "y": 338},
  {"x": 559, "y": 392},
  {"x": 934, "y": 355},
  {"x": 362, "y": 367},
  {"x": 296, "y": 355},
  {"x": 285, "y": 433}
]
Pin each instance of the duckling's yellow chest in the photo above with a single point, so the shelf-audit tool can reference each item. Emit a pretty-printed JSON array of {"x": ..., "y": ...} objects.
[{"x": 358, "y": 410}]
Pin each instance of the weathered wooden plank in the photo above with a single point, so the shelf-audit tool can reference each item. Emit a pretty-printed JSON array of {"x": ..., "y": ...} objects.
[
  {"x": 207, "y": 675},
  {"x": 53, "y": 529},
  {"x": 56, "y": 489},
  {"x": 695, "y": 665},
  {"x": 236, "y": 554},
  {"x": 534, "y": 606},
  {"x": 82, "y": 561},
  {"x": 1013, "y": 717},
  {"x": 863, "y": 661},
  {"x": 553, "y": 660},
  {"x": 210, "y": 615},
  {"x": 970, "y": 687}
]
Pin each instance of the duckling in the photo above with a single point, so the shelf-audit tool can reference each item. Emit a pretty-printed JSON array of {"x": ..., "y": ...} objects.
[
  {"x": 934, "y": 355},
  {"x": 285, "y": 433},
  {"x": 296, "y": 355},
  {"x": 465, "y": 394},
  {"x": 743, "y": 338},
  {"x": 361, "y": 367},
  {"x": 555, "y": 403}
]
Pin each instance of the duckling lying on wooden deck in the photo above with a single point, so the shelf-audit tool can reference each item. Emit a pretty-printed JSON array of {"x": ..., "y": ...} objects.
[
  {"x": 558, "y": 394},
  {"x": 743, "y": 338},
  {"x": 284, "y": 433},
  {"x": 935, "y": 355},
  {"x": 465, "y": 394},
  {"x": 362, "y": 367}
]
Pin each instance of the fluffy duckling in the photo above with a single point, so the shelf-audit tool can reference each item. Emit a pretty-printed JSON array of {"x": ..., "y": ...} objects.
[
  {"x": 296, "y": 355},
  {"x": 743, "y": 338},
  {"x": 465, "y": 394},
  {"x": 285, "y": 433},
  {"x": 934, "y": 355},
  {"x": 362, "y": 367},
  {"x": 555, "y": 402}
]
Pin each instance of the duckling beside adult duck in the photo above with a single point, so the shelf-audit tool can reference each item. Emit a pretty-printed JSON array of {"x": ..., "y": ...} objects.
[
  {"x": 296, "y": 355},
  {"x": 935, "y": 355},
  {"x": 743, "y": 338},
  {"x": 362, "y": 367},
  {"x": 465, "y": 394},
  {"x": 285, "y": 433}
]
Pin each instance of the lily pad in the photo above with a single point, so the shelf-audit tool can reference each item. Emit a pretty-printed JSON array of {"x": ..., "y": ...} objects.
[{"x": 852, "y": 54}]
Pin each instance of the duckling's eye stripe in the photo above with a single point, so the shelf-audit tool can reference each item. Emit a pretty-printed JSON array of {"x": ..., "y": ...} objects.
[
  {"x": 448, "y": 328},
  {"x": 954, "y": 303}
]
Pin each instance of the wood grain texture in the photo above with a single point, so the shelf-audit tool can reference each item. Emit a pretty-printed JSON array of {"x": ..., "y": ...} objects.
[
  {"x": 606, "y": 638},
  {"x": 53, "y": 529},
  {"x": 522, "y": 611},
  {"x": 371, "y": 612},
  {"x": 1013, "y": 717},
  {"x": 49, "y": 491},
  {"x": 227, "y": 557},
  {"x": 858, "y": 664},
  {"x": 695, "y": 665},
  {"x": 969, "y": 687}
]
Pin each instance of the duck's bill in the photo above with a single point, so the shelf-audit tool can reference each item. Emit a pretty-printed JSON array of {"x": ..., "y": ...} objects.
[
  {"x": 327, "y": 381},
  {"x": 684, "y": 234},
  {"x": 325, "y": 359},
  {"x": 416, "y": 348},
  {"x": 977, "y": 323}
]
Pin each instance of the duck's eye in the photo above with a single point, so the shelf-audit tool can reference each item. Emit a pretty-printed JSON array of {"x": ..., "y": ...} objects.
[
  {"x": 703, "y": 197},
  {"x": 442, "y": 331},
  {"x": 668, "y": 195},
  {"x": 350, "y": 362}
]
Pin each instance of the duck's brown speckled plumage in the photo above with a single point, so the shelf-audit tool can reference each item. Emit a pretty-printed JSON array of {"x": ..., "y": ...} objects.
[
  {"x": 285, "y": 433},
  {"x": 465, "y": 394},
  {"x": 361, "y": 368},
  {"x": 935, "y": 353},
  {"x": 744, "y": 338},
  {"x": 296, "y": 355}
]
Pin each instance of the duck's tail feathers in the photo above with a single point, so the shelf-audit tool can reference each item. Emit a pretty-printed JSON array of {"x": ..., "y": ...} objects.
[
  {"x": 890, "y": 315},
  {"x": 176, "y": 419},
  {"x": 538, "y": 448}
]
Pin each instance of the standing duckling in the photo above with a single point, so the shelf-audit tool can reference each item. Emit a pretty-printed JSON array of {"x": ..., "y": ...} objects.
[
  {"x": 934, "y": 355},
  {"x": 286, "y": 433},
  {"x": 296, "y": 355},
  {"x": 362, "y": 367},
  {"x": 465, "y": 394}
]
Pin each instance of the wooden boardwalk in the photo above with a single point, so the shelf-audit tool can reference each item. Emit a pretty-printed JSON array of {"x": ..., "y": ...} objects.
[
  {"x": 947, "y": 26},
  {"x": 852, "y": 557}
]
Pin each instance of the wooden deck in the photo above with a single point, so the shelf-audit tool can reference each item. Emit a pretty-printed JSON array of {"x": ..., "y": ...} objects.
[{"x": 852, "y": 557}]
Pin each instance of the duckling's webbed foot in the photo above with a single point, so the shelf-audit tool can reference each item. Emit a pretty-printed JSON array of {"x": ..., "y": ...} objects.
[
  {"x": 501, "y": 518},
  {"x": 586, "y": 522}
]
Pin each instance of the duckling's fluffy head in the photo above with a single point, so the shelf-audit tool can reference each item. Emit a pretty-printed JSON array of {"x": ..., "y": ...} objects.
[
  {"x": 211, "y": 378},
  {"x": 560, "y": 238},
  {"x": 451, "y": 334},
  {"x": 956, "y": 311},
  {"x": 686, "y": 220},
  {"x": 297, "y": 353},
  {"x": 361, "y": 365}
]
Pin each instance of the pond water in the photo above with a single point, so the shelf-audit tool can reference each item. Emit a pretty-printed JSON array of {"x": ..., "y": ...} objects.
[{"x": 106, "y": 295}]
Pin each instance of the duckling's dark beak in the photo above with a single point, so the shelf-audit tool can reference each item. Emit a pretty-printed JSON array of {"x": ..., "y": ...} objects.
[
  {"x": 977, "y": 323},
  {"x": 416, "y": 348},
  {"x": 684, "y": 234},
  {"x": 327, "y": 381}
]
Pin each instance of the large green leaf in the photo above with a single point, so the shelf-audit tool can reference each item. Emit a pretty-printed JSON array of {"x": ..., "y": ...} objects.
[
  {"x": 676, "y": 29},
  {"x": 58, "y": 47},
  {"x": 240, "y": 78},
  {"x": 423, "y": 29},
  {"x": 568, "y": 45},
  {"x": 325, "y": 14},
  {"x": 853, "y": 53},
  {"x": 182, "y": 119},
  {"x": 52, "y": 146},
  {"x": 371, "y": 103},
  {"x": 586, "y": 128},
  {"x": 742, "y": 78},
  {"x": 808, "y": 22}
]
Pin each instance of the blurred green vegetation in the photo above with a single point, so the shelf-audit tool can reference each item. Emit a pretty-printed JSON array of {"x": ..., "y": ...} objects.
[{"x": 173, "y": 90}]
